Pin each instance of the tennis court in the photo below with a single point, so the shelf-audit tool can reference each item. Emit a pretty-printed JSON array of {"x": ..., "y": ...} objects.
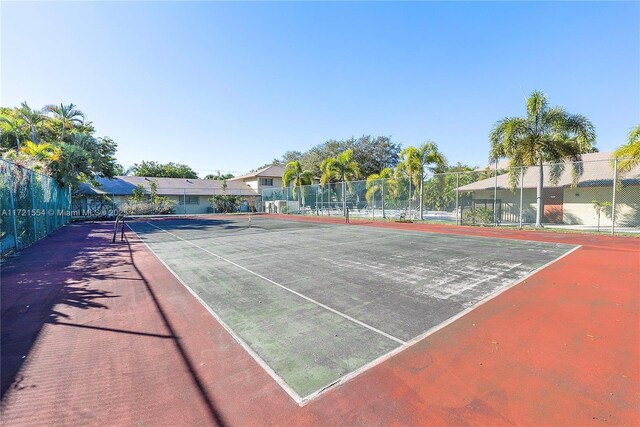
[{"x": 317, "y": 303}]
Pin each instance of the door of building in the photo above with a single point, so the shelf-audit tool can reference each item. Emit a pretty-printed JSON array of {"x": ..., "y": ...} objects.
[{"x": 553, "y": 198}]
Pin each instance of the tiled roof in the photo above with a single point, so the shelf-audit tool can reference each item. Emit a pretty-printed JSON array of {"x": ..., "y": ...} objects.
[
  {"x": 124, "y": 185},
  {"x": 268, "y": 172},
  {"x": 597, "y": 171}
]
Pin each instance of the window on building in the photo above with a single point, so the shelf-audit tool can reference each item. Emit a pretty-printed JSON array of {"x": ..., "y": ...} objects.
[
  {"x": 266, "y": 181},
  {"x": 191, "y": 200}
]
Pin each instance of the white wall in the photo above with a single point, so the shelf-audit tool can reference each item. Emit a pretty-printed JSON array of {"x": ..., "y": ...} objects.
[{"x": 579, "y": 209}]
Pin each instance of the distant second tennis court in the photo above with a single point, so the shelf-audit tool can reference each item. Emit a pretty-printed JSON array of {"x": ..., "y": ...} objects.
[{"x": 316, "y": 303}]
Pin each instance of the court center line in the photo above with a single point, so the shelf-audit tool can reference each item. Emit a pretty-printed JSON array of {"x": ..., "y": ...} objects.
[{"x": 311, "y": 300}]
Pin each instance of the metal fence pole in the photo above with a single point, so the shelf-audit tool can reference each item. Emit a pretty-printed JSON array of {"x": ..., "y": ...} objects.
[
  {"x": 33, "y": 205},
  {"x": 457, "y": 196},
  {"x": 410, "y": 196},
  {"x": 184, "y": 200},
  {"x": 495, "y": 194},
  {"x": 613, "y": 197},
  {"x": 373, "y": 204},
  {"x": 382, "y": 199},
  {"x": 344, "y": 198},
  {"x": 13, "y": 210},
  {"x": 521, "y": 193}
]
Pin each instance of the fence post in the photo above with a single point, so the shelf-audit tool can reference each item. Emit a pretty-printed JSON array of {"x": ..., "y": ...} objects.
[
  {"x": 410, "y": 196},
  {"x": 184, "y": 200},
  {"x": 344, "y": 198},
  {"x": 33, "y": 206},
  {"x": 457, "y": 196},
  {"x": 382, "y": 199},
  {"x": 373, "y": 202},
  {"x": 495, "y": 194},
  {"x": 13, "y": 209},
  {"x": 521, "y": 192},
  {"x": 613, "y": 197},
  {"x": 69, "y": 213}
]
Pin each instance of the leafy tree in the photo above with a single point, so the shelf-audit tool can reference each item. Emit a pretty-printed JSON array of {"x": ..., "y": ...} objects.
[
  {"x": 295, "y": 175},
  {"x": 545, "y": 135},
  {"x": 227, "y": 203},
  {"x": 142, "y": 202},
  {"x": 629, "y": 154},
  {"x": 417, "y": 161},
  {"x": 163, "y": 170},
  {"x": 440, "y": 190},
  {"x": 119, "y": 170},
  {"x": 371, "y": 153},
  {"x": 35, "y": 140},
  {"x": 340, "y": 168},
  {"x": 68, "y": 116},
  {"x": 376, "y": 184},
  {"x": 219, "y": 177}
]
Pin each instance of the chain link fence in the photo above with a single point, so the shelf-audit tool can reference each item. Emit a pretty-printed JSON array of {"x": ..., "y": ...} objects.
[
  {"x": 587, "y": 195},
  {"x": 97, "y": 204},
  {"x": 33, "y": 206}
]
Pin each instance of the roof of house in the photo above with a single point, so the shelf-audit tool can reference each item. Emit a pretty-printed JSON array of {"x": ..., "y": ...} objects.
[
  {"x": 597, "y": 171},
  {"x": 124, "y": 185},
  {"x": 268, "y": 172}
]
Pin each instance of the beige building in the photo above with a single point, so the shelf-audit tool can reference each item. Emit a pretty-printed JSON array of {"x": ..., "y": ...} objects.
[
  {"x": 267, "y": 178},
  {"x": 565, "y": 202}
]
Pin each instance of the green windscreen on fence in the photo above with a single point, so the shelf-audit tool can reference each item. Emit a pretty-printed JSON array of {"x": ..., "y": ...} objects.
[{"x": 33, "y": 205}]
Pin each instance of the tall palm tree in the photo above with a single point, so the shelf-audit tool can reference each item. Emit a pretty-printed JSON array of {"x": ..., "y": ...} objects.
[
  {"x": 294, "y": 174},
  {"x": 629, "y": 153},
  {"x": 418, "y": 161},
  {"x": 340, "y": 168},
  {"x": 67, "y": 114},
  {"x": 12, "y": 126},
  {"x": 376, "y": 184},
  {"x": 546, "y": 135},
  {"x": 32, "y": 118}
]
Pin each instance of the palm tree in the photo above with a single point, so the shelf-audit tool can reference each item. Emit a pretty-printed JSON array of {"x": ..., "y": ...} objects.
[
  {"x": 375, "y": 185},
  {"x": 629, "y": 154},
  {"x": 31, "y": 118},
  {"x": 417, "y": 161},
  {"x": 546, "y": 135},
  {"x": 599, "y": 207},
  {"x": 12, "y": 126},
  {"x": 68, "y": 115},
  {"x": 340, "y": 168},
  {"x": 294, "y": 173}
]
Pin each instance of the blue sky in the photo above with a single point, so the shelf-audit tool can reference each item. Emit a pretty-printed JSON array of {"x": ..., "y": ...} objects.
[{"x": 230, "y": 86}]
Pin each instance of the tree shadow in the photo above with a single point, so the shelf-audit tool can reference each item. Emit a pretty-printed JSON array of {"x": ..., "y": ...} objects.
[
  {"x": 214, "y": 413},
  {"x": 56, "y": 273},
  {"x": 38, "y": 283}
]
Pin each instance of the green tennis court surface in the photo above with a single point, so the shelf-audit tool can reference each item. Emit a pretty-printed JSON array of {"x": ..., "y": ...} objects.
[{"x": 315, "y": 302}]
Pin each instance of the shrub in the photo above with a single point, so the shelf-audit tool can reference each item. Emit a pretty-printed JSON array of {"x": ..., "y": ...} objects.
[
  {"x": 226, "y": 203},
  {"x": 477, "y": 216}
]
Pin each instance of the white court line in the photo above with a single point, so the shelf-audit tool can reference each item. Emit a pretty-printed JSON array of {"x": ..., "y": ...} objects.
[
  {"x": 318, "y": 303},
  {"x": 281, "y": 382},
  {"x": 431, "y": 331},
  {"x": 302, "y": 401}
]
